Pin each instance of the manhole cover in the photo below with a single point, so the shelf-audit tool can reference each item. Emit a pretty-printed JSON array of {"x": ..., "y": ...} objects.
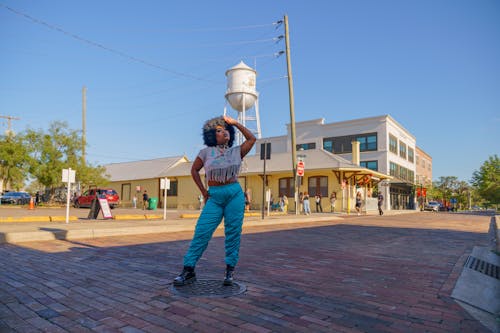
[{"x": 209, "y": 288}]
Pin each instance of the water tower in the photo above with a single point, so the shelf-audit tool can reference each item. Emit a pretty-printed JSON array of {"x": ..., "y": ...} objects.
[{"x": 242, "y": 97}]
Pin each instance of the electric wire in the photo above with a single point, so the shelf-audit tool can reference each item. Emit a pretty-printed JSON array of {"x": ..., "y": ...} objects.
[{"x": 109, "y": 49}]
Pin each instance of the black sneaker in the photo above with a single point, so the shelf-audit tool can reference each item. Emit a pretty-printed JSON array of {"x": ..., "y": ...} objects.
[
  {"x": 228, "y": 278},
  {"x": 186, "y": 277}
]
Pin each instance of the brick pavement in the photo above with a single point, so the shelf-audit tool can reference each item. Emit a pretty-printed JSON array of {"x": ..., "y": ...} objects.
[{"x": 359, "y": 274}]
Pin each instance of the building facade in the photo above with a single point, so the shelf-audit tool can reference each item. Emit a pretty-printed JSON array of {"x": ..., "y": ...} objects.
[
  {"x": 368, "y": 155},
  {"x": 385, "y": 146}
]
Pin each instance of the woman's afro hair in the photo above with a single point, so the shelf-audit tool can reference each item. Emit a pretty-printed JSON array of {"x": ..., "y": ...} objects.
[{"x": 210, "y": 127}]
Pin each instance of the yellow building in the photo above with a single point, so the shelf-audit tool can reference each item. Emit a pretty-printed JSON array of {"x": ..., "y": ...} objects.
[{"x": 324, "y": 173}]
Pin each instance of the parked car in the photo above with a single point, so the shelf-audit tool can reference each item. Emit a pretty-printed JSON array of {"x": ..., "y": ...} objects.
[
  {"x": 432, "y": 206},
  {"x": 17, "y": 198},
  {"x": 85, "y": 200}
]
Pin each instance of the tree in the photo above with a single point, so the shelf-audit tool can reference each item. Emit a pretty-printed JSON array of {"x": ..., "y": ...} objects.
[
  {"x": 445, "y": 187},
  {"x": 59, "y": 148},
  {"x": 13, "y": 161},
  {"x": 487, "y": 180}
]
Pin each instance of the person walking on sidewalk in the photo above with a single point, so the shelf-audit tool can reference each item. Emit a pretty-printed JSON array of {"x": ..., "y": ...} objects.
[
  {"x": 145, "y": 200},
  {"x": 380, "y": 203},
  {"x": 317, "y": 198},
  {"x": 307, "y": 207},
  {"x": 333, "y": 198},
  {"x": 358, "y": 203},
  {"x": 224, "y": 197}
]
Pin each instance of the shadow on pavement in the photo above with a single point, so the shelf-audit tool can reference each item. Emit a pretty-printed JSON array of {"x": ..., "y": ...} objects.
[{"x": 310, "y": 278}]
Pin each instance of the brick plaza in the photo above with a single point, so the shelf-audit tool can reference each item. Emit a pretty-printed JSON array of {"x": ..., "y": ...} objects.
[{"x": 356, "y": 274}]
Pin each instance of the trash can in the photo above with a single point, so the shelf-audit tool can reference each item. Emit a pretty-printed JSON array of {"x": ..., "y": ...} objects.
[{"x": 153, "y": 203}]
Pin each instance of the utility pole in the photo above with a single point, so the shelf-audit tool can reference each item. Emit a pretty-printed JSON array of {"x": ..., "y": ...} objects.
[
  {"x": 292, "y": 114},
  {"x": 84, "y": 115},
  {"x": 9, "y": 123}
]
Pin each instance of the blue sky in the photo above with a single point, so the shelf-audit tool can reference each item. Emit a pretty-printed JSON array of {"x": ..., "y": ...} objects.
[{"x": 155, "y": 70}]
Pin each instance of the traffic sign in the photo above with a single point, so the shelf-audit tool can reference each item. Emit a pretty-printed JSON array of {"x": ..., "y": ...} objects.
[{"x": 300, "y": 168}]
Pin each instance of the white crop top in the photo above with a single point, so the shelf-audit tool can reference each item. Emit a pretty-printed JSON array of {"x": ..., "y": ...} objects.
[{"x": 221, "y": 165}]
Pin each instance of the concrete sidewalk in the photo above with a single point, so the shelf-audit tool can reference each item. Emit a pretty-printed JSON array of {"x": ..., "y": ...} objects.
[{"x": 128, "y": 224}]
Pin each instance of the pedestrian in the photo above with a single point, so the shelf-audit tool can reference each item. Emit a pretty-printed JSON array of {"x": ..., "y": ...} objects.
[
  {"x": 307, "y": 207},
  {"x": 201, "y": 200},
  {"x": 145, "y": 200},
  {"x": 224, "y": 197},
  {"x": 134, "y": 201},
  {"x": 333, "y": 197},
  {"x": 301, "y": 201},
  {"x": 282, "y": 204},
  {"x": 380, "y": 202},
  {"x": 247, "y": 200},
  {"x": 358, "y": 203},
  {"x": 284, "y": 207},
  {"x": 37, "y": 198},
  {"x": 317, "y": 198}
]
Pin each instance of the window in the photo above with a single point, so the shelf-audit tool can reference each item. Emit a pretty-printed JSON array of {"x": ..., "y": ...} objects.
[
  {"x": 287, "y": 187},
  {"x": 402, "y": 149},
  {"x": 401, "y": 172},
  {"x": 410, "y": 154},
  {"x": 306, "y": 146},
  {"x": 328, "y": 145},
  {"x": 372, "y": 165},
  {"x": 343, "y": 144},
  {"x": 393, "y": 144},
  {"x": 318, "y": 185},
  {"x": 411, "y": 176},
  {"x": 173, "y": 188},
  {"x": 367, "y": 142},
  {"x": 392, "y": 169}
]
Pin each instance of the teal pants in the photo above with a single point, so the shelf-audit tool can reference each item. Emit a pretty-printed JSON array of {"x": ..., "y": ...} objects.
[{"x": 228, "y": 202}]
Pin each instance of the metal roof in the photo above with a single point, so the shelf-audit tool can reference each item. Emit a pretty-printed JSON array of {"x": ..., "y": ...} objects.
[
  {"x": 315, "y": 159},
  {"x": 147, "y": 169}
]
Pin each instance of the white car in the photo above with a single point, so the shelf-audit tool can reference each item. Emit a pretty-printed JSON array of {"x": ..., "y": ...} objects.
[{"x": 432, "y": 206}]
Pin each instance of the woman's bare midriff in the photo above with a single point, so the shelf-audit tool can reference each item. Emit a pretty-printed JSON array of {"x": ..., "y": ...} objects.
[{"x": 216, "y": 183}]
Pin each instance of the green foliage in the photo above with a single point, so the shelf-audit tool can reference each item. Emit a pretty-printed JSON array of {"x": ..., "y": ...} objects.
[
  {"x": 13, "y": 162},
  {"x": 88, "y": 175},
  {"x": 59, "y": 148},
  {"x": 487, "y": 180},
  {"x": 51, "y": 152},
  {"x": 449, "y": 187}
]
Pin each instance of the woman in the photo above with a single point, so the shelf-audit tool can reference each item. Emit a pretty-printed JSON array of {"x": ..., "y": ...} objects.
[
  {"x": 333, "y": 197},
  {"x": 317, "y": 198},
  {"x": 358, "y": 203},
  {"x": 224, "y": 197},
  {"x": 307, "y": 207}
]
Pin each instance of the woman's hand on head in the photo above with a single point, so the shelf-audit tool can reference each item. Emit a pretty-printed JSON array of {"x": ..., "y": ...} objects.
[{"x": 229, "y": 120}]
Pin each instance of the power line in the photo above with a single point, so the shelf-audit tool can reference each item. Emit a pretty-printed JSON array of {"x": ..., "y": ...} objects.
[
  {"x": 244, "y": 27},
  {"x": 243, "y": 42},
  {"x": 109, "y": 49}
]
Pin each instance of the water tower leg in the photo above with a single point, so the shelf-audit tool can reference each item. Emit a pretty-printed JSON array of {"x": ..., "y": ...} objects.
[{"x": 257, "y": 118}]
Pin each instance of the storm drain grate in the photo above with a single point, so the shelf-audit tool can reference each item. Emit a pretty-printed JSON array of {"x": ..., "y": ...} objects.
[
  {"x": 209, "y": 288},
  {"x": 482, "y": 266}
]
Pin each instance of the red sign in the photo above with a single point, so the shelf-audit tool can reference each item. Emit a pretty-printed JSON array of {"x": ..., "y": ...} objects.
[
  {"x": 300, "y": 168},
  {"x": 421, "y": 192}
]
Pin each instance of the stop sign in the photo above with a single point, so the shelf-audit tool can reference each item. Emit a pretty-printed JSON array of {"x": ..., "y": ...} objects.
[{"x": 300, "y": 168}]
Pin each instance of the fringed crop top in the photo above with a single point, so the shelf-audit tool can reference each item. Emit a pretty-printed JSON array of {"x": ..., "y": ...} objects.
[{"x": 221, "y": 165}]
